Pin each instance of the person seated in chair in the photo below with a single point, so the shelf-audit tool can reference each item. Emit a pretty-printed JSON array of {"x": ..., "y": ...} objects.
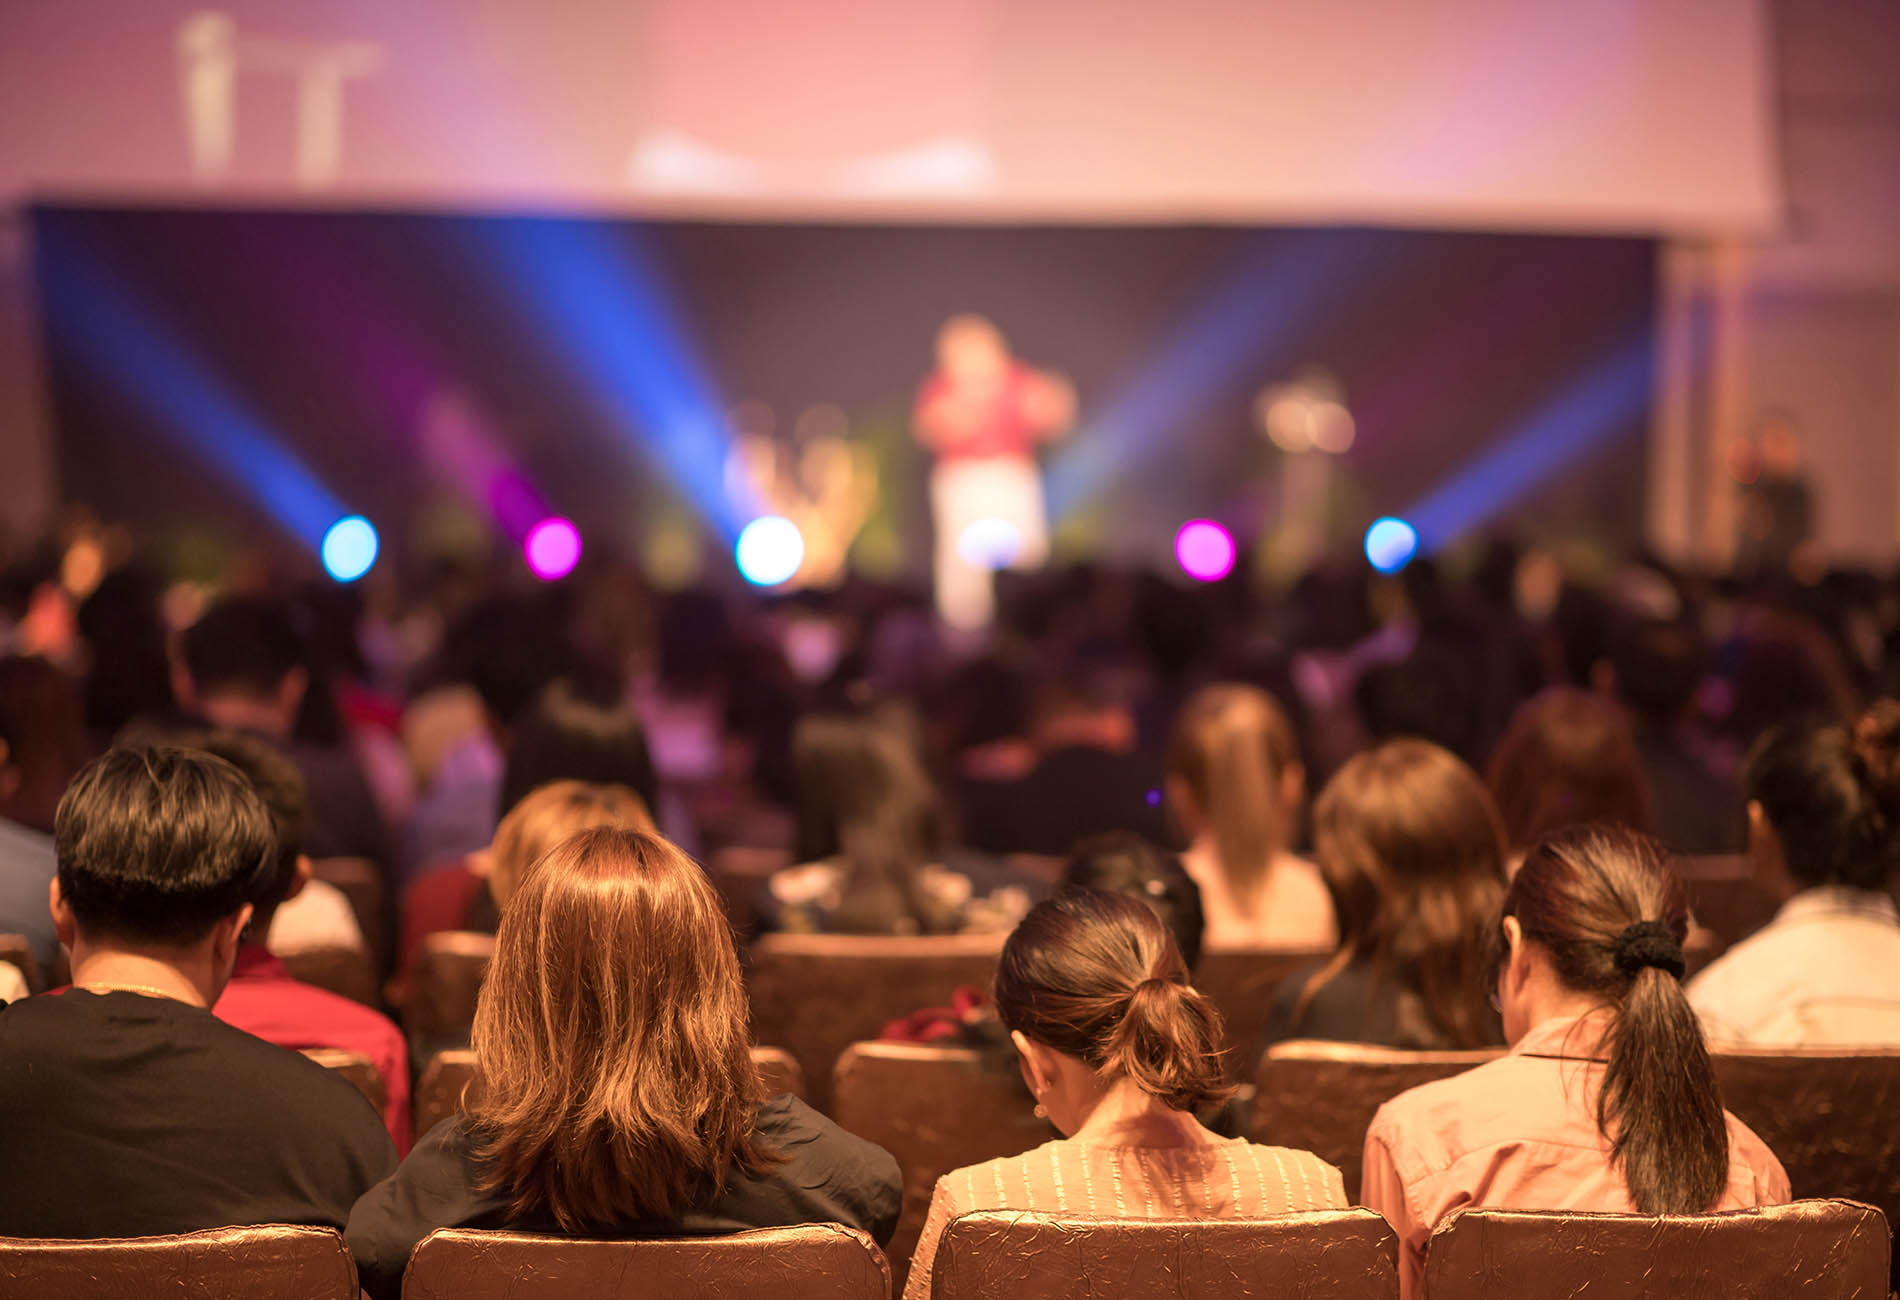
[
  {"x": 131, "y": 1110},
  {"x": 618, "y": 1092}
]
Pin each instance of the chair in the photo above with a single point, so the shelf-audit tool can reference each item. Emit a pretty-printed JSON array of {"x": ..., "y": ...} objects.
[
  {"x": 1826, "y": 1113},
  {"x": 1724, "y": 895},
  {"x": 14, "y": 948},
  {"x": 446, "y": 1079},
  {"x": 1241, "y": 982},
  {"x": 816, "y": 1261},
  {"x": 444, "y": 981},
  {"x": 1006, "y": 1254},
  {"x": 1821, "y": 1250},
  {"x": 270, "y": 1262},
  {"x": 362, "y": 884},
  {"x": 1321, "y": 1096},
  {"x": 816, "y": 994},
  {"x": 348, "y": 972},
  {"x": 934, "y": 1109},
  {"x": 358, "y": 1069}
]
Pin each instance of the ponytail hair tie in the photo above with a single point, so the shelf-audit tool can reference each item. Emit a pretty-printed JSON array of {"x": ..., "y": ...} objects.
[{"x": 1646, "y": 944}]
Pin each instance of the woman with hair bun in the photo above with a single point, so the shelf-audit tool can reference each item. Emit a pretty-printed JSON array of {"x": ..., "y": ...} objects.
[
  {"x": 1119, "y": 1051},
  {"x": 1607, "y": 1100},
  {"x": 1824, "y": 834}
]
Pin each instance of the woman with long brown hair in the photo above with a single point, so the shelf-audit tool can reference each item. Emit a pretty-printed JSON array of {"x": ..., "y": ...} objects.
[
  {"x": 1120, "y": 1051},
  {"x": 1412, "y": 851},
  {"x": 1568, "y": 758},
  {"x": 617, "y": 1090},
  {"x": 1235, "y": 786},
  {"x": 1607, "y": 1100}
]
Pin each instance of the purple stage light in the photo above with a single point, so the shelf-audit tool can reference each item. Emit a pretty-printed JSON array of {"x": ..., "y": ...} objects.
[
  {"x": 1204, "y": 550},
  {"x": 553, "y": 549}
]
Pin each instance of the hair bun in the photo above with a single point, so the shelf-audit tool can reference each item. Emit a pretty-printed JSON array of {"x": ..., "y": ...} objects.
[{"x": 1876, "y": 747}]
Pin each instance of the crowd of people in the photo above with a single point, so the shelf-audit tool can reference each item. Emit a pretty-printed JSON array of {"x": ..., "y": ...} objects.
[{"x": 625, "y": 788}]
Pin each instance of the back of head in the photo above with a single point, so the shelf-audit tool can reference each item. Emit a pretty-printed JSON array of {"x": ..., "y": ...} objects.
[
  {"x": 1658, "y": 663},
  {"x": 1098, "y": 977},
  {"x": 1832, "y": 794},
  {"x": 242, "y": 645},
  {"x": 1122, "y": 862},
  {"x": 613, "y": 1036},
  {"x": 280, "y": 786},
  {"x": 552, "y": 813},
  {"x": 1232, "y": 751},
  {"x": 569, "y": 734},
  {"x": 157, "y": 845},
  {"x": 1602, "y": 902},
  {"x": 1567, "y": 758},
  {"x": 1413, "y": 853}
]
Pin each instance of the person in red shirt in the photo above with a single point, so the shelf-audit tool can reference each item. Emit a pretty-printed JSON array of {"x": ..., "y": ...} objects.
[
  {"x": 261, "y": 997},
  {"x": 982, "y": 413}
]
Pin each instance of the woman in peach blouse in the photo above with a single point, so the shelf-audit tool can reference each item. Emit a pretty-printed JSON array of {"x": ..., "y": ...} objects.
[
  {"x": 1119, "y": 1051},
  {"x": 1607, "y": 1100}
]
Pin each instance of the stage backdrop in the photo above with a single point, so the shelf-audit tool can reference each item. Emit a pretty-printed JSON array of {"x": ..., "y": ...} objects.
[{"x": 214, "y": 372}]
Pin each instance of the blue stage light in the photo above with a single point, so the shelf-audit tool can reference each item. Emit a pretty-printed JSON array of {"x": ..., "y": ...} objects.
[
  {"x": 770, "y": 550},
  {"x": 349, "y": 548},
  {"x": 1391, "y": 544}
]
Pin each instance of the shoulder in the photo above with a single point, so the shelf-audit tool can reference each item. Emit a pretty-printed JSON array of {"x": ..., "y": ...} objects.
[
  {"x": 1321, "y": 1185},
  {"x": 804, "y": 1137},
  {"x": 1425, "y": 1126},
  {"x": 1751, "y": 1159},
  {"x": 979, "y": 1186}
]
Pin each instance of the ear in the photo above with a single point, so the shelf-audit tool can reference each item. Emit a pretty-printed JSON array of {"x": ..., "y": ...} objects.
[
  {"x": 1181, "y": 802},
  {"x": 1038, "y": 1071},
  {"x": 291, "y": 690},
  {"x": 228, "y": 934},
  {"x": 64, "y": 924},
  {"x": 1765, "y": 854},
  {"x": 299, "y": 877},
  {"x": 1517, "y": 965}
]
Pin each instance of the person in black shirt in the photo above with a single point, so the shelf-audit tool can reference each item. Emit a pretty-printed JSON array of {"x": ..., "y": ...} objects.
[
  {"x": 130, "y": 1110},
  {"x": 618, "y": 1096}
]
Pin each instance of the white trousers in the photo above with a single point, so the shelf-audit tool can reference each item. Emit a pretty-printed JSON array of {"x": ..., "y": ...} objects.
[{"x": 965, "y": 491}]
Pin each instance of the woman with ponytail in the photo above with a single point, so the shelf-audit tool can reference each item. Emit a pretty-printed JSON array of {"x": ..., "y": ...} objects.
[
  {"x": 1235, "y": 787},
  {"x": 1119, "y": 1051},
  {"x": 1607, "y": 1100},
  {"x": 1824, "y": 835}
]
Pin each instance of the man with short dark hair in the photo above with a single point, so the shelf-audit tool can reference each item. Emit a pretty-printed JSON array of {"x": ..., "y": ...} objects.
[{"x": 130, "y": 1110}]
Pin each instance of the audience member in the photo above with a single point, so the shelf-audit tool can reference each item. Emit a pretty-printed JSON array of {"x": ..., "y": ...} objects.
[
  {"x": 42, "y": 743},
  {"x": 1824, "y": 833},
  {"x": 1568, "y": 758},
  {"x": 131, "y": 1109},
  {"x": 1119, "y": 1051},
  {"x": 1413, "y": 852},
  {"x": 261, "y": 997},
  {"x": 1121, "y": 862},
  {"x": 619, "y": 1093},
  {"x": 1607, "y": 1100},
  {"x": 1236, "y": 786}
]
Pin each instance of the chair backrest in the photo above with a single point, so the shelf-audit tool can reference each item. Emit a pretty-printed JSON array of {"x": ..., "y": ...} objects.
[
  {"x": 816, "y": 1261},
  {"x": 1724, "y": 895},
  {"x": 362, "y": 884},
  {"x": 1828, "y": 1115},
  {"x": 15, "y": 948},
  {"x": 1819, "y": 1250},
  {"x": 1321, "y": 1096},
  {"x": 934, "y": 1109},
  {"x": 1005, "y": 1254},
  {"x": 449, "y": 1083},
  {"x": 350, "y": 972},
  {"x": 444, "y": 981},
  {"x": 269, "y": 1262},
  {"x": 358, "y": 1069},
  {"x": 1241, "y": 982},
  {"x": 816, "y": 994}
]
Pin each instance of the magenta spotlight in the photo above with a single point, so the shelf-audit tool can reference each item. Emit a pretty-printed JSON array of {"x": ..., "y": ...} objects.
[
  {"x": 1204, "y": 550},
  {"x": 553, "y": 549}
]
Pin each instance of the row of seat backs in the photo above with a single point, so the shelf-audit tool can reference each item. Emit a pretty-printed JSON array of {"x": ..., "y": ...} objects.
[{"x": 1820, "y": 1250}]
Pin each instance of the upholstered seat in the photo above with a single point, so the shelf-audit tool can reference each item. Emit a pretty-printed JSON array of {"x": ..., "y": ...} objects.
[
  {"x": 821, "y": 1261},
  {"x": 358, "y": 1069},
  {"x": 15, "y": 949},
  {"x": 1012, "y": 1255},
  {"x": 1815, "y": 1250},
  {"x": 347, "y": 971},
  {"x": 1724, "y": 895},
  {"x": 1241, "y": 982},
  {"x": 816, "y": 994},
  {"x": 1321, "y": 1096},
  {"x": 934, "y": 1109},
  {"x": 271, "y": 1262},
  {"x": 361, "y": 882},
  {"x": 444, "y": 980}
]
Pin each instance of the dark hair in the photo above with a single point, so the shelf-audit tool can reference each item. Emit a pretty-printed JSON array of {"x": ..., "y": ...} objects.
[
  {"x": 281, "y": 787},
  {"x": 1832, "y": 793},
  {"x": 43, "y": 735},
  {"x": 242, "y": 643},
  {"x": 1123, "y": 862},
  {"x": 570, "y": 734},
  {"x": 158, "y": 844},
  {"x": 1581, "y": 896},
  {"x": 863, "y": 794},
  {"x": 1568, "y": 757},
  {"x": 1413, "y": 854},
  {"x": 509, "y": 648},
  {"x": 1658, "y": 663},
  {"x": 1097, "y": 976}
]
